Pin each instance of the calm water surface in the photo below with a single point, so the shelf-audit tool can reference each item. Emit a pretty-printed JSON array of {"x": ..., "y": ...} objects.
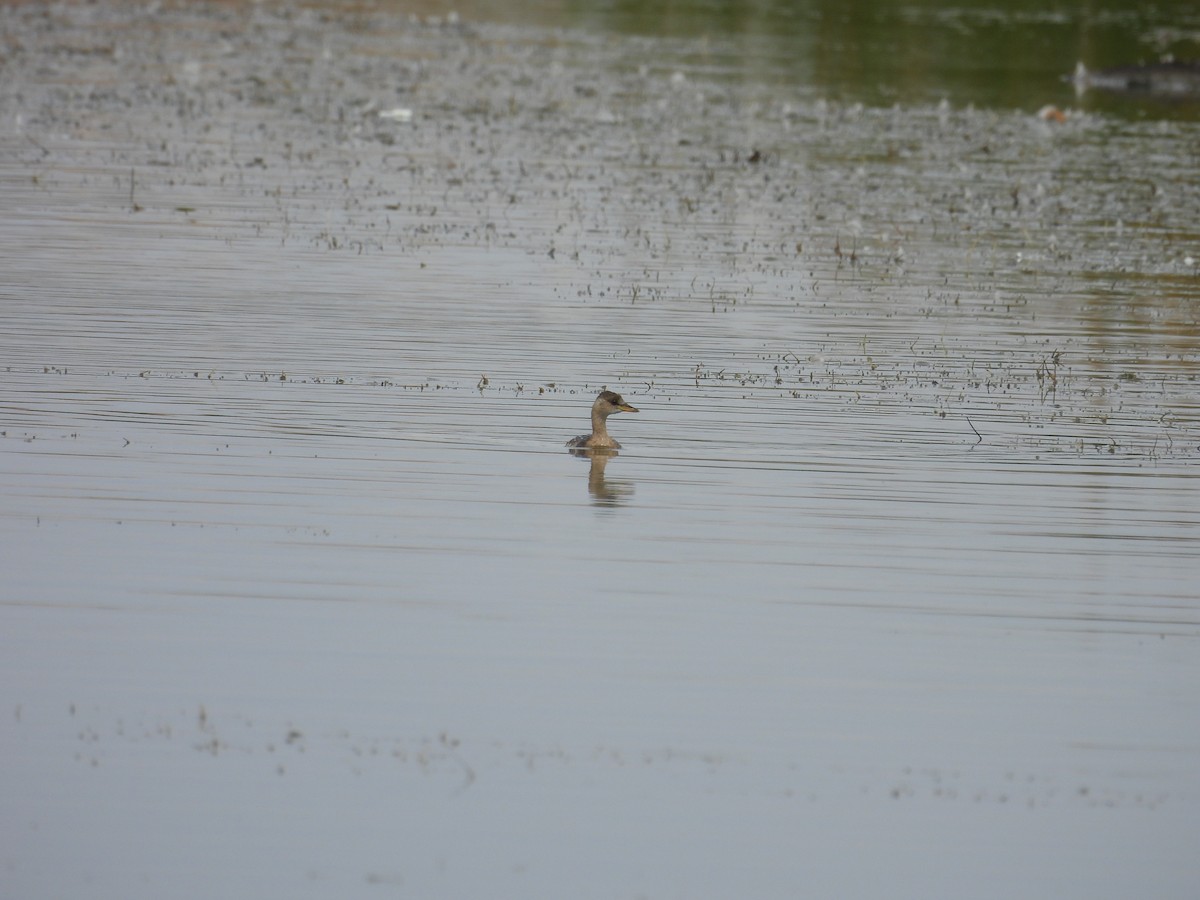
[{"x": 891, "y": 591}]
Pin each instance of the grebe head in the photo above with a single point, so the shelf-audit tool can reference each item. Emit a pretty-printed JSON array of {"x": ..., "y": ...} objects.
[{"x": 609, "y": 402}]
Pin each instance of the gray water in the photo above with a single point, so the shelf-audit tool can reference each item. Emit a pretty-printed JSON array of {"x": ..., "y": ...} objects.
[{"x": 891, "y": 591}]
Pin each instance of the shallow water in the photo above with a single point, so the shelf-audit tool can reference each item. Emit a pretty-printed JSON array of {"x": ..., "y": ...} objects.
[{"x": 892, "y": 588}]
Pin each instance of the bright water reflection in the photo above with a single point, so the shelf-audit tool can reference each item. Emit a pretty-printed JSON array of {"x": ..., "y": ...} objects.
[{"x": 305, "y": 591}]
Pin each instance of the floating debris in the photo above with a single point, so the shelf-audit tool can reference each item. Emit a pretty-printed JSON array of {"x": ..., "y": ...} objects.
[
  {"x": 1051, "y": 113},
  {"x": 1169, "y": 77},
  {"x": 397, "y": 114}
]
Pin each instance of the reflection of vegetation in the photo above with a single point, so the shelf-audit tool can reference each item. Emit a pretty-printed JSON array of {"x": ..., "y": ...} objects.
[{"x": 1010, "y": 53}]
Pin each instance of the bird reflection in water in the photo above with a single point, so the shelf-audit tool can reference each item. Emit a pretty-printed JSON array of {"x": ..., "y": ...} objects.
[{"x": 603, "y": 491}]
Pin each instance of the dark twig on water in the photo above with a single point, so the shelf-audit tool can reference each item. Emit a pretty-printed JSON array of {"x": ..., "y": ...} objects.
[
  {"x": 973, "y": 428},
  {"x": 132, "y": 204},
  {"x": 37, "y": 144}
]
